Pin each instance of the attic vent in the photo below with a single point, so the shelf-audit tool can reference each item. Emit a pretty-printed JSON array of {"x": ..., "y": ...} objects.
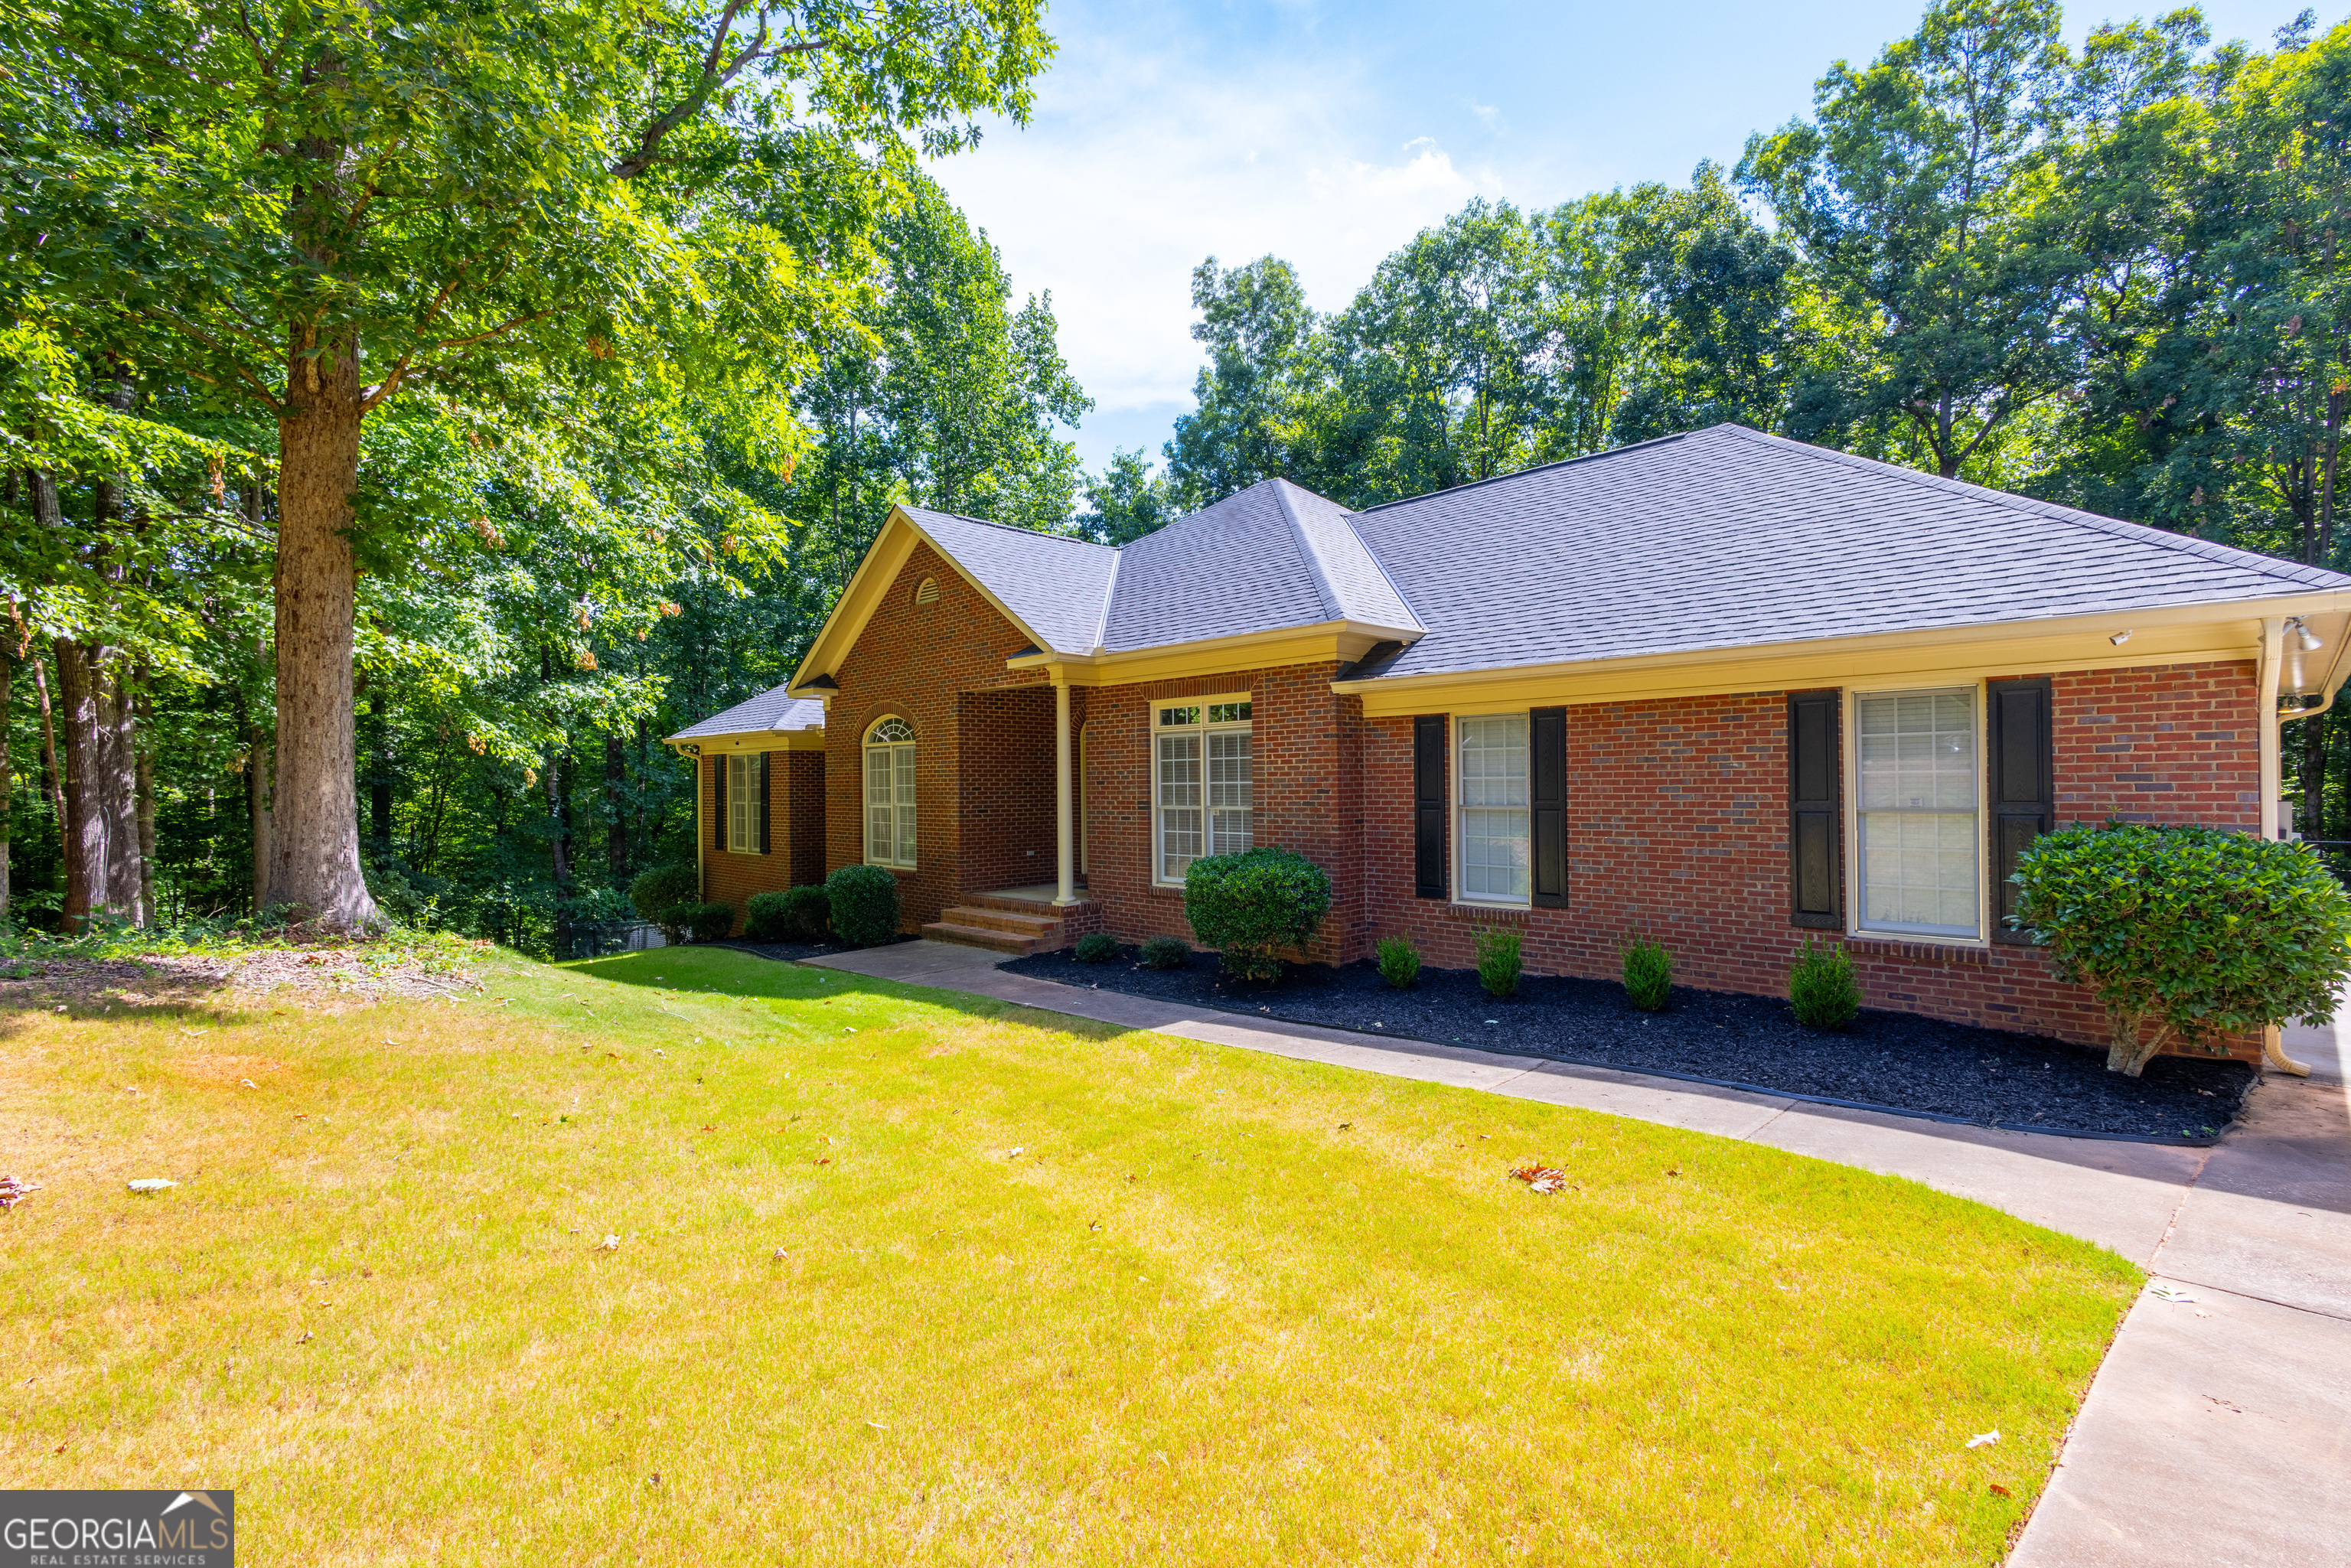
[{"x": 927, "y": 591}]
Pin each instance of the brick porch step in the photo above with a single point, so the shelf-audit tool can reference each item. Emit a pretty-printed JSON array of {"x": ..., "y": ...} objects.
[
  {"x": 1020, "y": 945},
  {"x": 1030, "y": 922}
]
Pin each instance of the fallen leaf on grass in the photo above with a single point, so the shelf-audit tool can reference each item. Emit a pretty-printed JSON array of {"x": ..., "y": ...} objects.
[
  {"x": 151, "y": 1184},
  {"x": 2001, "y": 1491},
  {"x": 609, "y": 1244},
  {"x": 1984, "y": 1439},
  {"x": 1541, "y": 1178},
  {"x": 710, "y": 1127},
  {"x": 13, "y": 1192}
]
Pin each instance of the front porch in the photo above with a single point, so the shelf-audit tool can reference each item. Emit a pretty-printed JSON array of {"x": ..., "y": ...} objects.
[{"x": 1017, "y": 921}]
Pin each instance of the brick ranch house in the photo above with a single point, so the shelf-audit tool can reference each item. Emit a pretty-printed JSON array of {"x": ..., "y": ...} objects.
[{"x": 1722, "y": 688}]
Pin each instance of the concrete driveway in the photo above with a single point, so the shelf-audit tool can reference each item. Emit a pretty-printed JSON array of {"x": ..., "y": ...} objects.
[{"x": 2218, "y": 1432}]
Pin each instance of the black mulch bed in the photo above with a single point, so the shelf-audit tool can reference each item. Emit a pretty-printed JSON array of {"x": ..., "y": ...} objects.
[{"x": 1888, "y": 1060}]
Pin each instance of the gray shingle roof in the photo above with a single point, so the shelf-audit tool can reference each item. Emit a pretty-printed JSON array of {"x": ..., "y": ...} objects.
[
  {"x": 1263, "y": 559},
  {"x": 1726, "y": 538},
  {"x": 1054, "y": 583},
  {"x": 770, "y": 710}
]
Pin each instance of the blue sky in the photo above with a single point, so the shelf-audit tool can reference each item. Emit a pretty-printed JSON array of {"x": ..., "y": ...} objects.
[{"x": 1329, "y": 134}]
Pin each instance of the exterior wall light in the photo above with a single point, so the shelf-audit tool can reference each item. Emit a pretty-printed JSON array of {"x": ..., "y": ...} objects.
[
  {"x": 2306, "y": 636},
  {"x": 2121, "y": 637}
]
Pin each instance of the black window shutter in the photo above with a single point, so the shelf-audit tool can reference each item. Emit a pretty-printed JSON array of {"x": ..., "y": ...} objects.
[
  {"x": 2023, "y": 787},
  {"x": 1547, "y": 797},
  {"x": 1816, "y": 811},
  {"x": 1429, "y": 806},
  {"x": 719, "y": 802},
  {"x": 763, "y": 801}
]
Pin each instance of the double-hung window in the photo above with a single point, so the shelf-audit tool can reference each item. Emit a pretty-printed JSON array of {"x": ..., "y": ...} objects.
[
  {"x": 1496, "y": 848},
  {"x": 1203, "y": 790},
  {"x": 746, "y": 790},
  {"x": 1917, "y": 829},
  {"x": 890, "y": 793}
]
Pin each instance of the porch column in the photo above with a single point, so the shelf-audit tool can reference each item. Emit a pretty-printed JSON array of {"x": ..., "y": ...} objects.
[
  {"x": 1064, "y": 839},
  {"x": 2273, "y": 780}
]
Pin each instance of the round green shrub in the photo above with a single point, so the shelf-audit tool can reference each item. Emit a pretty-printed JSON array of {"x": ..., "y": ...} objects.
[
  {"x": 1399, "y": 961},
  {"x": 2187, "y": 931},
  {"x": 710, "y": 922},
  {"x": 1165, "y": 952},
  {"x": 865, "y": 904},
  {"x": 658, "y": 892},
  {"x": 1822, "y": 990},
  {"x": 1648, "y": 974},
  {"x": 1250, "y": 905},
  {"x": 1500, "y": 961},
  {"x": 794, "y": 914},
  {"x": 1097, "y": 947}
]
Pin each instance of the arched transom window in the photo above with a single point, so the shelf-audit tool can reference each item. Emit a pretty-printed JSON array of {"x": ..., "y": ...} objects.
[{"x": 890, "y": 793}]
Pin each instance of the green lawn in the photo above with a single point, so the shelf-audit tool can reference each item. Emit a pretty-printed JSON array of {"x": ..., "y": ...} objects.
[{"x": 1220, "y": 1307}]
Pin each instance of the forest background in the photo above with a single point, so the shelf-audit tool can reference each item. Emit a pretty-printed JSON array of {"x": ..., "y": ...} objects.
[{"x": 2114, "y": 277}]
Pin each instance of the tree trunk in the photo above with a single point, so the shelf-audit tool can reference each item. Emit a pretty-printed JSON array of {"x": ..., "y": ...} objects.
[
  {"x": 560, "y": 837},
  {"x": 117, "y": 781},
  {"x": 2127, "y": 1052},
  {"x": 143, "y": 786},
  {"x": 616, "y": 829},
  {"x": 7, "y": 774},
  {"x": 85, "y": 818},
  {"x": 52, "y": 777},
  {"x": 313, "y": 839}
]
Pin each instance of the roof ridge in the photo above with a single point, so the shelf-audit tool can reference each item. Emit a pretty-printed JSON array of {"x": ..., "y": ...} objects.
[
  {"x": 2119, "y": 528},
  {"x": 1332, "y": 608},
  {"x": 1007, "y": 528},
  {"x": 1522, "y": 473}
]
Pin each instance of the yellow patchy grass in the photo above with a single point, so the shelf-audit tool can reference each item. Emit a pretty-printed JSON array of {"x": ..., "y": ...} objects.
[{"x": 1220, "y": 1307}]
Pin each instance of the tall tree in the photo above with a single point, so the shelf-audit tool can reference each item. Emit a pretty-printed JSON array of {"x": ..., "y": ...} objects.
[
  {"x": 336, "y": 200},
  {"x": 1259, "y": 334},
  {"x": 1915, "y": 195}
]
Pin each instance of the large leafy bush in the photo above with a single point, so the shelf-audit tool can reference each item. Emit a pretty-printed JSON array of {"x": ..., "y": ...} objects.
[
  {"x": 1250, "y": 905},
  {"x": 795, "y": 914},
  {"x": 658, "y": 894},
  {"x": 865, "y": 904},
  {"x": 2187, "y": 931}
]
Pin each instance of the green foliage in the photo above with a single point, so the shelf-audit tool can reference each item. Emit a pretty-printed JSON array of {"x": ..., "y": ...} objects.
[
  {"x": 1250, "y": 905},
  {"x": 600, "y": 906},
  {"x": 865, "y": 904},
  {"x": 1097, "y": 947},
  {"x": 1165, "y": 952},
  {"x": 1822, "y": 992},
  {"x": 1498, "y": 959},
  {"x": 793, "y": 915},
  {"x": 2187, "y": 931},
  {"x": 658, "y": 895},
  {"x": 1399, "y": 961},
  {"x": 1128, "y": 501},
  {"x": 700, "y": 921},
  {"x": 1648, "y": 974}
]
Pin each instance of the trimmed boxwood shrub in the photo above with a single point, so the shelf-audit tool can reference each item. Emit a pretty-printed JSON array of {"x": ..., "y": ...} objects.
[
  {"x": 795, "y": 914},
  {"x": 1249, "y": 905},
  {"x": 657, "y": 893},
  {"x": 2187, "y": 931},
  {"x": 865, "y": 904},
  {"x": 1500, "y": 959},
  {"x": 1165, "y": 952},
  {"x": 1097, "y": 947},
  {"x": 1822, "y": 992},
  {"x": 1648, "y": 974},
  {"x": 711, "y": 922},
  {"x": 1399, "y": 961}
]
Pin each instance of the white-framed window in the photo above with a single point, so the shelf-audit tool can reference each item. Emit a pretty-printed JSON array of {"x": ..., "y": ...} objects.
[
  {"x": 1203, "y": 788},
  {"x": 890, "y": 793},
  {"x": 1497, "y": 845},
  {"x": 743, "y": 792},
  {"x": 1918, "y": 823}
]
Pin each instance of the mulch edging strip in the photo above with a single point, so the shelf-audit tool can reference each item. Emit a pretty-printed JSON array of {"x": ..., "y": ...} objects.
[{"x": 1890, "y": 1057}]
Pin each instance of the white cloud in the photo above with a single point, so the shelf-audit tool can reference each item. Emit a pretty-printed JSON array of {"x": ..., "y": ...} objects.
[{"x": 1138, "y": 163}]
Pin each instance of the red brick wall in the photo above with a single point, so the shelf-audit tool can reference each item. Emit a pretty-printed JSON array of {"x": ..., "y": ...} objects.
[
  {"x": 796, "y": 818},
  {"x": 918, "y": 661},
  {"x": 1304, "y": 753},
  {"x": 1005, "y": 787},
  {"x": 1676, "y": 825}
]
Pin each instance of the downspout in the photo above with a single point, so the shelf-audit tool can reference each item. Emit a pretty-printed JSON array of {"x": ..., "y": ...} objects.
[{"x": 2272, "y": 738}]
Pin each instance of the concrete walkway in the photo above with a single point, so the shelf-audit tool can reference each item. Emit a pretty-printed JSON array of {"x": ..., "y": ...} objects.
[{"x": 2219, "y": 1430}]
